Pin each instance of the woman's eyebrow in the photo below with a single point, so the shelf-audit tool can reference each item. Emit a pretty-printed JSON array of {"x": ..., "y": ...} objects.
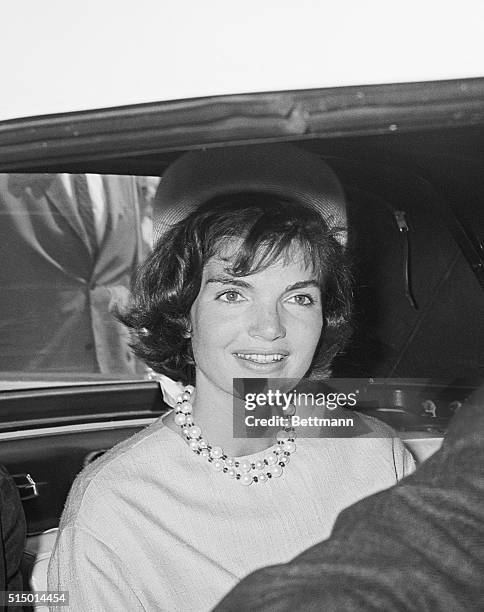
[
  {"x": 303, "y": 285},
  {"x": 228, "y": 280}
]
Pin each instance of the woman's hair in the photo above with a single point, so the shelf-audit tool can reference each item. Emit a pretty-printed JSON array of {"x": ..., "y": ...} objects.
[{"x": 263, "y": 228}]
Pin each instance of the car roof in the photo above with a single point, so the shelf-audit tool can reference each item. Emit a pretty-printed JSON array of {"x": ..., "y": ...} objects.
[{"x": 93, "y": 54}]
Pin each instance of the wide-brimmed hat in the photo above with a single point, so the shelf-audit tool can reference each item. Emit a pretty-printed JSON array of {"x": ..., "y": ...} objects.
[{"x": 279, "y": 169}]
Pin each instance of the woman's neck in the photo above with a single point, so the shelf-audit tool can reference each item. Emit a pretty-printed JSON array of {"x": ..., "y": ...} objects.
[{"x": 213, "y": 412}]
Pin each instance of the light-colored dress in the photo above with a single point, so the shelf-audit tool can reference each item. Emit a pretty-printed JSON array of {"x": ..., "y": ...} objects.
[{"x": 151, "y": 526}]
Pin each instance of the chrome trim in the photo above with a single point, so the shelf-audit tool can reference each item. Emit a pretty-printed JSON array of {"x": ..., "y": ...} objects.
[
  {"x": 93, "y": 455},
  {"x": 69, "y": 429}
]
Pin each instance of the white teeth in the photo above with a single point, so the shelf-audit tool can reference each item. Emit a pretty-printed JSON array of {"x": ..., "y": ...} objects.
[{"x": 260, "y": 358}]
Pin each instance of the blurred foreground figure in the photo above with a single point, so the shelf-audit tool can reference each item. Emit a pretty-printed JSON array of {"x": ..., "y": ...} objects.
[{"x": 418, "y": 546}]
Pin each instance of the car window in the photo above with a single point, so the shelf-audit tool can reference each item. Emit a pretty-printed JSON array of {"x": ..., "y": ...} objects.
[{"x": 70, "y": 245}]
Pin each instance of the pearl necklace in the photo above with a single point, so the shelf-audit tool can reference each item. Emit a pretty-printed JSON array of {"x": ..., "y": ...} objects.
[{"x": 245, "y": 471}]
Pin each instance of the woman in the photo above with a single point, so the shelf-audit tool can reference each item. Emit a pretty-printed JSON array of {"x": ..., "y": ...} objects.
[{"x": 247, "y": 283}]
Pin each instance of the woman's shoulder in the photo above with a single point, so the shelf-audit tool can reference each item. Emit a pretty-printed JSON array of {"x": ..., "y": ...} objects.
[
  {"x": 374, "y": 427},
  {"x": 387, "y": 437},
  {"x": 362, "y": 438},
  {"x": 121, "y": 466}
]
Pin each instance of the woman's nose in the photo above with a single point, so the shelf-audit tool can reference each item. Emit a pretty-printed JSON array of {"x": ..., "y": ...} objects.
[{"x": 266, "y": 323}]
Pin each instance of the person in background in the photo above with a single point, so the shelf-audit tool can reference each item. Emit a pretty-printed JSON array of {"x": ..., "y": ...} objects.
[
  {"x": 70, "y": 244},
  {"x": 416, "y": 547}
]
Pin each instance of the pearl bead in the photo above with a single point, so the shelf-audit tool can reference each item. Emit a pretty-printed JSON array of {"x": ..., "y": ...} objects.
[
  {"x": 245, "y": 465},
  {"x": 186, "y": 408},
  {"x": 193, "y": 445},
  {"x": 202, "y": 443},
  {"x": 195, "y": 431},
  {"x": 180, "y": 419},
  {"x": 216, "y": 452},
  {"x": 185, "y": 431},
  {"x": 284, "y": 459},
  {"x": 229, "y": 461},
  {"x": 246, "y": 479},
  {"x": 262, "y": 477},
  {"x": 189, "y": 389},
  {"x": 218, "y": 465},
  {"x": 259, "y": 464},
  {"x": 276, "y": 471},
  {"x": 186, "y": 396},
  {"x": 271, "y": 459},
  {"x": 231, "y": 472},
  {"x": 290, "y": 447},
  {"x": 204, "y": 453}
]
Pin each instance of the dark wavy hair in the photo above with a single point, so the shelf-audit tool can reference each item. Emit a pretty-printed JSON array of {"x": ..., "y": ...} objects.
[{"x": 264, "y": 228}]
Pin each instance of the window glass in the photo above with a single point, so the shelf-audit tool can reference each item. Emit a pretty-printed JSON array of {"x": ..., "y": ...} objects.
[{"x": 69, "y": 246}]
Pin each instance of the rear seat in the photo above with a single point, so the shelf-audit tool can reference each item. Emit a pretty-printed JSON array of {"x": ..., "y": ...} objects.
[{"x": 37, "y": 552}]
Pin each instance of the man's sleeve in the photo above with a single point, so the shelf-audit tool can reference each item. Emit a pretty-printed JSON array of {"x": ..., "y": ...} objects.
[
  {"x": 12, "y": 534},
  {"x": 95, "y": 578}
]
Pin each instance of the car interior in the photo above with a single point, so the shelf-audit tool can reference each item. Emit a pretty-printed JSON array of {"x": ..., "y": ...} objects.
[{"x": 410, "y": 158}]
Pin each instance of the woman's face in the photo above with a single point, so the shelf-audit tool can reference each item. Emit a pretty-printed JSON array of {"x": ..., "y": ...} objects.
[{"x": 266, "y": 324}]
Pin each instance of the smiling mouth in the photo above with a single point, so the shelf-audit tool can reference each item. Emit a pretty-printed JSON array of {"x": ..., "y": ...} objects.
[{"x": 258, "y": 358}]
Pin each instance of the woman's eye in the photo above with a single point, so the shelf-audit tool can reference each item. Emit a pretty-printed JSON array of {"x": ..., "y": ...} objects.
[
  {"x": 231, "y": 296},
  {"x": 302, "y": 300}
]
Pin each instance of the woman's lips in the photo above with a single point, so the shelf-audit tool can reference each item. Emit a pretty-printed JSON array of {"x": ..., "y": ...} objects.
[
  {"x": 264, "y": 362},
  {"x": 261, "y": 357}
]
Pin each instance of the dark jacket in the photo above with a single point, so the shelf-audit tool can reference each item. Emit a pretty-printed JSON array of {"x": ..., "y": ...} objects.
[{"x": 12, "y": 534}]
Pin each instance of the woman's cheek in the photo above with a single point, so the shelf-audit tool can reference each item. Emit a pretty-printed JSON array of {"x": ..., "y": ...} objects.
[
  {"x": 310, "y": 320},
  {"x": 217, "y": 329}
]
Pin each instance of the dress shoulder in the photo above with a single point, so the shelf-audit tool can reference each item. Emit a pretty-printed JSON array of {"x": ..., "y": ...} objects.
[
  {"x": 377, "y": 427},
  {"x": 118, "y": 464}
]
